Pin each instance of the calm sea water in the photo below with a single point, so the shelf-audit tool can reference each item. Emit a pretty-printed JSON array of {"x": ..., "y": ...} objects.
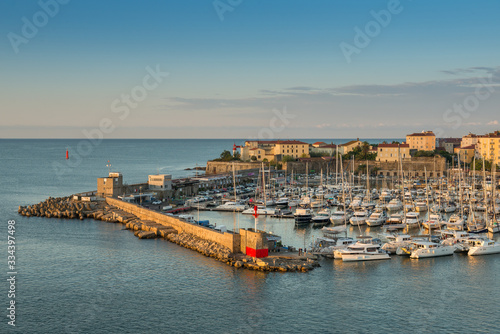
[{"x": 95, "y": 277}]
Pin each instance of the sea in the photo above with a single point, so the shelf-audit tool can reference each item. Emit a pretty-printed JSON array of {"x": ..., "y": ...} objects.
[{"x": 89, "y": 276}]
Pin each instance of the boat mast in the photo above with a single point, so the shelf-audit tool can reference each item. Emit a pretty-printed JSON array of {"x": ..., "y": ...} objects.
[
  {"x": 427, "y": 198},
  {"x": 485, "y": 194},
  {"x": 343, "y": 195},
  {"x": 264, "y": 184}
]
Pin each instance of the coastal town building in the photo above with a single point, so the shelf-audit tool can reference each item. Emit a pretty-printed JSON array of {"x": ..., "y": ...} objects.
[
  {"x": 449, "y": 144},
  {"x": 273, "y": 149},
  {"x": 324, "y": 149},
  {"x": 349, "y": 146},
  {"x": 470, "y": 139},
  {"x": 392, "y": 152},
  {"x": 318, "y": 144},
  {"x": 488, "y": 147},
  {"x": 466, "y": 154},
  {"x": 110, "y": 186},
  {"x": 422, "y": 141},
  {"x": 160, "y": 182}
]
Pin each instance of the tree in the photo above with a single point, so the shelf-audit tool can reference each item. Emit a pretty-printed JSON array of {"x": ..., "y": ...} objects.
[
  {"x": 226, "y": 156},
  {"x": 303, "y": 155},
  {"x": 237, "y": 156},
  {"x": 253, "y": 158},
  {"x": 479, "y": 165},
  {"x": 287, "y": 158}
]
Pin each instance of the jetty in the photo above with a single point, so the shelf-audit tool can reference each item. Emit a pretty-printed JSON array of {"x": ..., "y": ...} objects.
[{"x": 243, "y": 249}]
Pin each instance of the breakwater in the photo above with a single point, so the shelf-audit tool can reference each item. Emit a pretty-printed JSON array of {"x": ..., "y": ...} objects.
[{"x": 147, "y": 224}]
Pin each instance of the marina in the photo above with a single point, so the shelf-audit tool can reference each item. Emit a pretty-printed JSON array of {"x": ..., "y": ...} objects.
[{"x": 335, "y": 280}]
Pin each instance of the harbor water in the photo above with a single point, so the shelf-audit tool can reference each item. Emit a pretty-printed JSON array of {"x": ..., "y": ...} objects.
[{"x": 94, "y": 277}]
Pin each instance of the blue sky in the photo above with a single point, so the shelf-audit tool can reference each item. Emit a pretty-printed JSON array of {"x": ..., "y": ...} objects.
[{"x": 232, "y": 78}]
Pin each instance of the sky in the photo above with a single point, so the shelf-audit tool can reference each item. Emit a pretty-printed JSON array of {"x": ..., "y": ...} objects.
[{"x": 248, "y": 68}]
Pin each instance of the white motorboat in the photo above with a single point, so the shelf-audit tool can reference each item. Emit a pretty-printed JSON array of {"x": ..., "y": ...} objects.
[
  {"x": 283, "y": 201},
  {"x": 377, "y": 218},
  {"x": 413, "y": 219},
  {"x": 321, "y": 219},
  {"x": 420, "y": 206},
  {"x": 395, "y": 222},
  {"x": 326, "y": 246},
  {"x": 231, "y": 206},
  {"x": 359, "y": 217},
  {"x": 483, "y": 247},
  {"x": 425, "y": 249},
  {"x": 339, "y": 217},
  {"x": 261, "y": 210},
  {"x": 455, "y": 223},
  {"x": 332, "y": 231},
  {"x": 362, "y": 252},
  {"x": 434, "y": 221},
  {"x": 394, "y": 205},
  {"x": 303, "y": 216},
  {"x": 396, "y": 241}
]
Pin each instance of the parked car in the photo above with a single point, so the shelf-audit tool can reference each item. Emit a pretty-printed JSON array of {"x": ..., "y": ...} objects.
[{"x": 156, "y": 202}]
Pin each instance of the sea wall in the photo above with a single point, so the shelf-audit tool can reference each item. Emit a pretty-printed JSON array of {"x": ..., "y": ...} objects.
[
  {"x": 222, "y": 167},
  {"x": 226, "y": 239}
]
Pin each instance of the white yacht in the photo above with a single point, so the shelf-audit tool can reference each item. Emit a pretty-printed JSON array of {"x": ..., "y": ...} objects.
[
  {"x": 434, "y": 221},
  {"x": 396, "y": 241},
  {"x": 483, "y": 247},
  {"x": 359, "y": 217},
  {"x": 413, "y": 219},
  {"x": 455, "y": 223},
  {"x": 303, "y": 216},
  {"x": 395, "y": 222},
  {"x": 377, "y": 218},
  {"x": 261, "y": 210},
  {"x": 283, "y": 201},
  {"x": 421, "y": 206},
  {"x": 322, "y": 218},
  {"x": 425, "y": 249},
  {"x": 326, "y": 246},
  {"x": 231, "y": 206},
  {"x": 449, "y": 208},
  {"x": 362, "y": 252},
  {"x": 339, "y": 217},
  {"x": 394, "y": 205}
]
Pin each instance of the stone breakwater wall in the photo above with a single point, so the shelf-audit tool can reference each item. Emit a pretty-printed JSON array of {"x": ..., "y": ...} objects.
[
  {"x": 58, "y": 207},
  {"x": 226, "y": 239},
  {"x": 177, "y": 232}
]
